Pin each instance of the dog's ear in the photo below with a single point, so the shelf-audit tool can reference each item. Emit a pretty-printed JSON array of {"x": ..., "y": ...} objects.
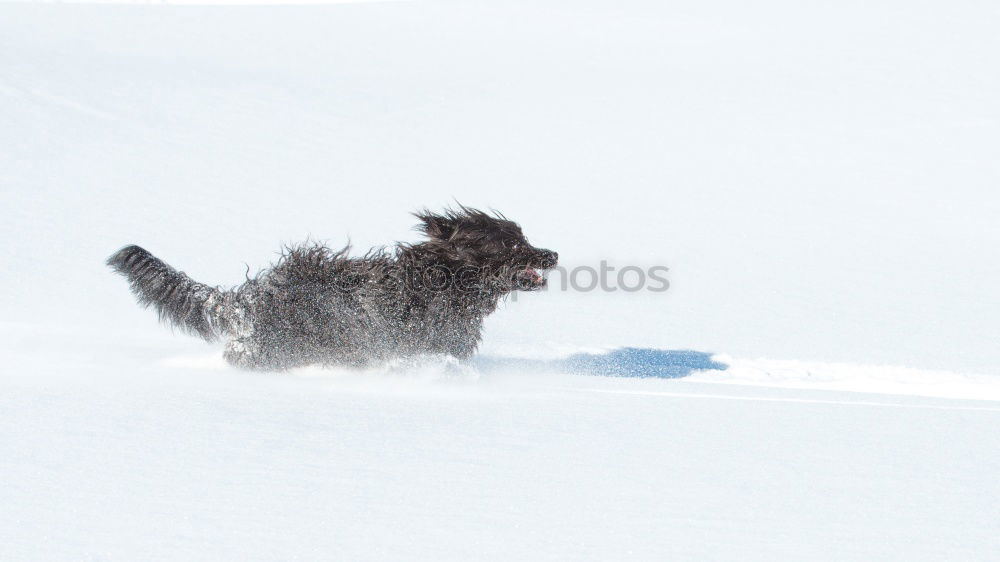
[{"x": 440, "y": 227}]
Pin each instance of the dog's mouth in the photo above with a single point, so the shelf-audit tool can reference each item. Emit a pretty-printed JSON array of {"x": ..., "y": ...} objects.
[{"x": 529, "y": 279}]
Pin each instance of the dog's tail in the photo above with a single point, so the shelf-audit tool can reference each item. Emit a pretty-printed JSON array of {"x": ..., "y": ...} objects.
[{"x": 179, "y": 300}]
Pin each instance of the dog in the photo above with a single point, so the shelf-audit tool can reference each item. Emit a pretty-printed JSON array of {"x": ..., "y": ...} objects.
[{"x": 321, "y": 306}]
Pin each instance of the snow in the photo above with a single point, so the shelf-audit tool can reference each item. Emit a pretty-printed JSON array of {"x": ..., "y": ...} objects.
[
  {"x": 819, "y": 382},
  {"x": 161, "y": 462}
]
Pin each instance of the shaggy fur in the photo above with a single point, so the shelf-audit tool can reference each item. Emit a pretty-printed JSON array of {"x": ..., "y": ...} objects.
[{"x": 321, "y": 306}]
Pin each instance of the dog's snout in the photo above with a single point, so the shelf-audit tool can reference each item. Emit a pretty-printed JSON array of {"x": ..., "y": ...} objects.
[{"x": 549, "y": 258}]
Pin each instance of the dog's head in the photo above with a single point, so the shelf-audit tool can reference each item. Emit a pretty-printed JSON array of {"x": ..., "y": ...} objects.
[{"x": 490, "y": 244}]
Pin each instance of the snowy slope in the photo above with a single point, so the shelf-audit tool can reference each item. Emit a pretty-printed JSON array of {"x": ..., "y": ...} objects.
[
  {"x": 820, "y": 381},
  {"x": 183, "y": 464}
]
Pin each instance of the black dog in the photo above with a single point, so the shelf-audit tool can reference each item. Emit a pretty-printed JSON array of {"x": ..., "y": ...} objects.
[{"x": 320, "y": 306}]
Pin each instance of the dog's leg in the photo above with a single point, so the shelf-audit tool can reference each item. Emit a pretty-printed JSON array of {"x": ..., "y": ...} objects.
[{"x": 462, "y": 344}]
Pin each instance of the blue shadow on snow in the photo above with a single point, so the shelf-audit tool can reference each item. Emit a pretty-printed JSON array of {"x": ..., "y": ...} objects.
[{"x": 635, "y": 362}]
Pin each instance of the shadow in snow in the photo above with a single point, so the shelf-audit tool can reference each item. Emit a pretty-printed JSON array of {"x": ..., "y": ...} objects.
[{"x": 622, "y": 362}]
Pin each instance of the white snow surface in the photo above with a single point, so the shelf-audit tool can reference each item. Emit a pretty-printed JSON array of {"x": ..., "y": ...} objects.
[{"x": 819, "y": 383}]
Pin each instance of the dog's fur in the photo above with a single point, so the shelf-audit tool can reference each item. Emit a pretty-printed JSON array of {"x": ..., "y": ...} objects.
[{"x": 320, "y": 306}]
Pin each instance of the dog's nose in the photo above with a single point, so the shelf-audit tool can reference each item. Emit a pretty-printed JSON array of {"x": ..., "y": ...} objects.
[{"x": 549, "y": 258}]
